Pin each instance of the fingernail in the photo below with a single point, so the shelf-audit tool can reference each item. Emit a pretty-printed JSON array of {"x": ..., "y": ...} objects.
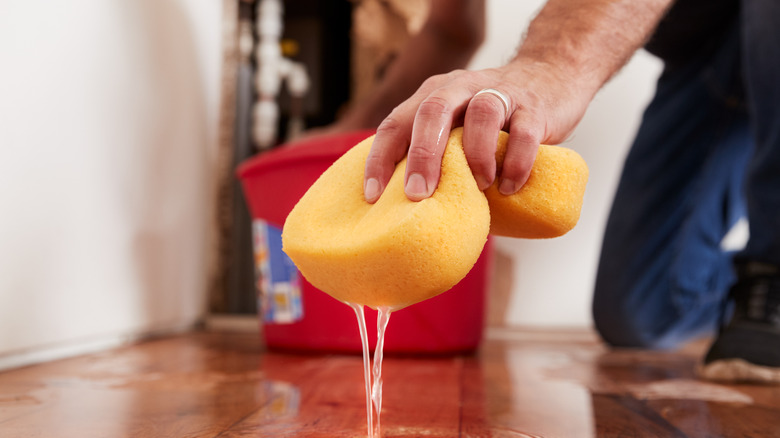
[
  {"x": 482, "y": 182},
  {"x": 507, "y": 187},
  {"x": 371, "y": 189},
  {"x": 416, "y": 187}
]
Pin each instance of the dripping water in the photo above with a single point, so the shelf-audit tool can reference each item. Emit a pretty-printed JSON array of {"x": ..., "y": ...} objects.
[{"x": 373, "y": 390}]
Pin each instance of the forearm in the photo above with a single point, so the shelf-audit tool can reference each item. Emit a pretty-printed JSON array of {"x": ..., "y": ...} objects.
[
  {"x": 447, "y": 41},
  {"x": 571, "y": 49},
  {"x": 587, "y": 41}
]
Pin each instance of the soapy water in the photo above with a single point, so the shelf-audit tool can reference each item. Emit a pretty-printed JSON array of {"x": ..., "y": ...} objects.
[
  {"x": 361, "y": 317},
  {"x": 373, "y": 376},
  {"x": 376, "y": 389}
]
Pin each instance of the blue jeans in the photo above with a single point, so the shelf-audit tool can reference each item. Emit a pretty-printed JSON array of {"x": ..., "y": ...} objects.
[{"x": 707, "y": 153}]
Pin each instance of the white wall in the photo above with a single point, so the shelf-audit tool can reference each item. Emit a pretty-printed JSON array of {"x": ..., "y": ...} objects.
[
  {"x": 107, "y": 130},
  {"x": 553, "y": 279},
  {"x": 108, "y": 121}
]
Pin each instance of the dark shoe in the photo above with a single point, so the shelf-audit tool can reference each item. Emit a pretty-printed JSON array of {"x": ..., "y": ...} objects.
[{"x": 748, "y": 347}]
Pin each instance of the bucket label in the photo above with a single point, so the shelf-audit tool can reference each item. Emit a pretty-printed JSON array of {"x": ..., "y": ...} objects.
[{"x": 277, "y": 279}]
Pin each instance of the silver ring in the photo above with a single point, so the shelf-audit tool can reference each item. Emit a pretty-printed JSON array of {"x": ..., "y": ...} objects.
[{"x": 503, "y": 97}]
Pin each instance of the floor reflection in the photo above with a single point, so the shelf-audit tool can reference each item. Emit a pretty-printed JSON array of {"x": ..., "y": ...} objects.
[
  {"x": 524, "y": 385},
  {"x": 284, "y": 399},
  {"x": 521, "y": 400},
  {"x": 558, "y": 388}
]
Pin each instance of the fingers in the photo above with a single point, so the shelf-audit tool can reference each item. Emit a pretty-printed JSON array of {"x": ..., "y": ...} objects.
[
  {"x": 485, "y": 116},
  {"x": 419, "y": 129},
  {"x": 389, "y": 148},
  {"x": 489, "y": 111},
  {"x": 432, "y": 125},
  {"x": 525, "y": 134},
  {"x": 391, "y": 143}
]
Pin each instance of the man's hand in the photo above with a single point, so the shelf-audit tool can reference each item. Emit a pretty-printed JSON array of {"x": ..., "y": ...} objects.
[
  {"x": 573, "y": 47},
  {"x": 541, "y": 108}
]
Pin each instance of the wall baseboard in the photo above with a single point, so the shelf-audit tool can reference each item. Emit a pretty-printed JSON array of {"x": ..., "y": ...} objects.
[
  {"x": 91, "y": 345},
  {"x": 232, "y": 323}
]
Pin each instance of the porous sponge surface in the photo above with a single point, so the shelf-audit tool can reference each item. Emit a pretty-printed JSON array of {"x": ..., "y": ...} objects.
[
  {"x": 395, "y": 252},
  {"x": 549, "y": 203}
]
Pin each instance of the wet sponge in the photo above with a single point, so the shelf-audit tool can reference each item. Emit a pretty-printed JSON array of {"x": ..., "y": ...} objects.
[
  {"x": 549, "y": 203},
  {"x": 395, "y": 252}
]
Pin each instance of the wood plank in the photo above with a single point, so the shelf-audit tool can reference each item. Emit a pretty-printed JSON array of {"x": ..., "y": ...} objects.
[
  {"x": 421, "y": 396},
  {"x": 185, "y": 386},
  {"x": 535, "y": 384},
  {"x": 624, "y": 416}
]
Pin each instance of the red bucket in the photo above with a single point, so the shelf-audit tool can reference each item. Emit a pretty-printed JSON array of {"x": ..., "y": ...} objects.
[{"x": 452, "y": 322}]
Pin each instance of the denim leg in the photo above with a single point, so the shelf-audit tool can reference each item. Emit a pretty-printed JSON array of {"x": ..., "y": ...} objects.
[
  {"x": 761, "y": 58},
  {"x": 662, "y": 276}
]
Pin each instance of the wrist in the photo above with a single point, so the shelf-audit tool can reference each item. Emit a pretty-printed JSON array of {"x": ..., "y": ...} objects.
[
  {"x": 559, "y": 82},
  {"x": 580, "y": 63},
  {"x": 587, "y": 41}
]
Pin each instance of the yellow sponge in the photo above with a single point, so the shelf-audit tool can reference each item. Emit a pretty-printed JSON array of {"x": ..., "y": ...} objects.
[
  {"x": 549, "y": 203},
  {"x": 395, "y": 252}
]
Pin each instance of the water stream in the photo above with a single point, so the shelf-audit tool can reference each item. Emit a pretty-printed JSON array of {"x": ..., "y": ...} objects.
[{"x": 372, "y": 377}]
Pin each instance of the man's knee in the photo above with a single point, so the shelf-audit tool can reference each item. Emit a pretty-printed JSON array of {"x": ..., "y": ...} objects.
[{"x": 622, "y": 325}]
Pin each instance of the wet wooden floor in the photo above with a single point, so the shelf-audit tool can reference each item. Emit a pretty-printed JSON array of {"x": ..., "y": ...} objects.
[{"x": 520, "y": 384}]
